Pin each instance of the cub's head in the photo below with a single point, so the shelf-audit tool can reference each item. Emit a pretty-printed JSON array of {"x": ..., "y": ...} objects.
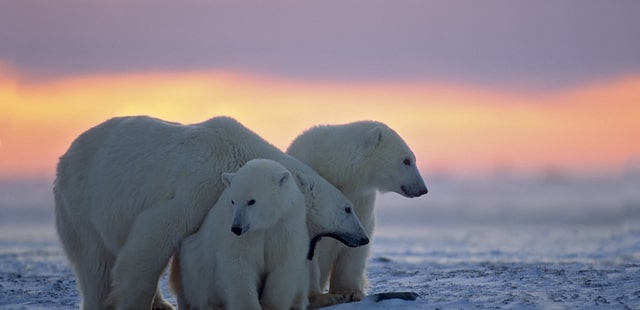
[{"x": 260, "y": 193}]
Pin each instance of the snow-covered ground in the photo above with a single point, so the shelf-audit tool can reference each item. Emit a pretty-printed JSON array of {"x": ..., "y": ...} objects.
[{"x": 519, "y": 244}]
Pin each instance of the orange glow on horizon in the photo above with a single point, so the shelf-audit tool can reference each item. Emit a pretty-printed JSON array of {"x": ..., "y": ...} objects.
[{"x": 450, "y": 128}]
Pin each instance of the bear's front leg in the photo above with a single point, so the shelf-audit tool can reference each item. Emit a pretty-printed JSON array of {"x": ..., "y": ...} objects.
[
  {"x": 140, "y": 262},
  {"x": 241, "y": 292},
  {"x": 284, "y": 285},
  {"x": 349, "y": 273},
  {"x": 325, "y": 300}
]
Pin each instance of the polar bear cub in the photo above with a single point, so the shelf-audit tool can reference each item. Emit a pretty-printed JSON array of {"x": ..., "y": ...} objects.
[{"x": 250, "y": 252}]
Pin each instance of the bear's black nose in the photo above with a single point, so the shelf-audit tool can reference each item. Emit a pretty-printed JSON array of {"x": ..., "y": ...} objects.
[
  {"x": 363, "y": 241},
  {"x": 423, "y": 191},
  {"x": 236, "y": 230}
]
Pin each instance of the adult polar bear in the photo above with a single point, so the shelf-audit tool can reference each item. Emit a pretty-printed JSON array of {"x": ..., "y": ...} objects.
[
  {"x": 250, "y": 251},
  {"x": 359, "y": 158},
  {"x": 130, "y": 189}
]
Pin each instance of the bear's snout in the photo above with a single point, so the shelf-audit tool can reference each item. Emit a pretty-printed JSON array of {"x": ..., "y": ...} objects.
[
  {"x": 237, "y": 230},
  {"x": 414, "y": 191},
  {"x": 422, "y": 191},
  {"x": 363, "y": 241}
]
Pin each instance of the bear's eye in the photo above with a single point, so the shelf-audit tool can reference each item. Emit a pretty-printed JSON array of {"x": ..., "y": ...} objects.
[
  {"x": 233, "y": 202},
  {"x": 407, "y": 162},
  {"x": 347, "y": 209},
  {"x": 251, "y": 202}
]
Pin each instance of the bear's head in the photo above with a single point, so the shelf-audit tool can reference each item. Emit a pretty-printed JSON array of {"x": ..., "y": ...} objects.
[
  {"x": 260, "y": 192},
  {"x": 329, "y": 213},
  {"x": 391, "y": 162}
]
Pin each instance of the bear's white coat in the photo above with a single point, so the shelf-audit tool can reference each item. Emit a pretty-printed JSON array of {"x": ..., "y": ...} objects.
[
  {"x": 250, "y": 251},
  {"x": 359, "y": 158},
  {"x": 129, "y": 190}
]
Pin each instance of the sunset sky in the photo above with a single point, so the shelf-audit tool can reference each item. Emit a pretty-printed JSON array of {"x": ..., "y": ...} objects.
[{"x": 473, "y": 87}]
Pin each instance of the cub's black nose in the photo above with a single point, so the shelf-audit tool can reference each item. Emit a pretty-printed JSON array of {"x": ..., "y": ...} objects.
[
  {"x": 236, "y": 230},
  {"x": 363, "y": 241}
]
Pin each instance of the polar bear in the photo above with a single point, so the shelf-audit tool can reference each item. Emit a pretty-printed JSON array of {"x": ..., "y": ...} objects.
[
  {"x": 130, "y": 189},
  {"x": 250, "y": 251},
  {"x": 359, "y": 158}
]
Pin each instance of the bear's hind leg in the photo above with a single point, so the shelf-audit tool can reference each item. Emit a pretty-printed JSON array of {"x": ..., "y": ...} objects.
[
  {"x": 152, "y": 240},
  {"x": 94, "y": 281},
  {"x": 91, "y": 261}
]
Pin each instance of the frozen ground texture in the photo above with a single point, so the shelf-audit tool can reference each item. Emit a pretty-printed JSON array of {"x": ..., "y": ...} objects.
[{"x": 506, "y": 244}]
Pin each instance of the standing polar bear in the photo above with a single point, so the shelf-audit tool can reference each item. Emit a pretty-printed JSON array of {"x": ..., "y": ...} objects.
[
  {"x": 250, "y": 251},
  {"x": 359, "y": 158},
  {"x": 129, "y": 190}
]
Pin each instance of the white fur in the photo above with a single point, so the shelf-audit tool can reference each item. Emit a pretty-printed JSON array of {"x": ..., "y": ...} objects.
[
  {"x": 129, "y": 190},
  {"x": 268, "y": 258},
  {"x": 359, "y": 159}
]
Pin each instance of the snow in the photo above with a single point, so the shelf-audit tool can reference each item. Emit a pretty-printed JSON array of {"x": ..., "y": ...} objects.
[{"x": 508, "y": 244}]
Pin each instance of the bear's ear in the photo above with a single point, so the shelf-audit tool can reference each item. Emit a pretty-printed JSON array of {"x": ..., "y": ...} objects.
[
  {"x": 306, "y": 183},
  {"x": 280, "y": 177},
  {"x": 227, "y": 177},
  {"x": 372, "y": 138}
]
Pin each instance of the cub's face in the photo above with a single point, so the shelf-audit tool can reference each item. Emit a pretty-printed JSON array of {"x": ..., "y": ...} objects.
[
  {"x": 259, "y": 196},
  {"x": 253, "y": 212}
]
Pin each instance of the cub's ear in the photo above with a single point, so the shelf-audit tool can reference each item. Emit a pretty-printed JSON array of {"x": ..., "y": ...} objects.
[
  {"x": 305, "y": 183},
  {"x": 373, "y": 137},
  {"x": 281, "y": 177},
  {"x": 227, "y": 177}
]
